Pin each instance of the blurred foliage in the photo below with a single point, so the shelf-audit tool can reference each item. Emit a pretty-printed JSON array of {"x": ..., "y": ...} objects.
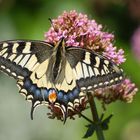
[{"x": 28, "y": 19}]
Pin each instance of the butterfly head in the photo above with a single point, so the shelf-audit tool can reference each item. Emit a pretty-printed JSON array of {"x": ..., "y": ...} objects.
[{"x": 60, "y": 45}]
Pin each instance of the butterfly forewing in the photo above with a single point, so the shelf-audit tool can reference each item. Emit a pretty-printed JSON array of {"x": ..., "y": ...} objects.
[
  {"x": 92, "y": 70},
  {"x": 18, "y": 57}
]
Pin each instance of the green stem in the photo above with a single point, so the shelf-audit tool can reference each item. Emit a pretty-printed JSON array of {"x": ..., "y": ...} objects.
[
  {"x": 83, "y": 116},
  {"x": 97, "y": 121},
  {"x": 86, "y": 118}
]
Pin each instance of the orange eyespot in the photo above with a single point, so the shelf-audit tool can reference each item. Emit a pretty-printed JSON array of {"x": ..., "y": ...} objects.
[{"x": 52, "y": 96}]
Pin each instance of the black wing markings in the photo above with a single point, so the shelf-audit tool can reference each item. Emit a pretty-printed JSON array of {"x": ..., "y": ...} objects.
[{"x": 97, "y": 80}]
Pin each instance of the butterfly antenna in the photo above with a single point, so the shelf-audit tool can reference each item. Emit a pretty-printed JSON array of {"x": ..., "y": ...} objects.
[
  {"x": 50, "y": 21},
  {"x": 55, "y": 29}
]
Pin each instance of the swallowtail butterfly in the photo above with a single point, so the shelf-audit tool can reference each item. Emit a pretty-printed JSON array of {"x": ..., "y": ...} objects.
[{"x": 57, "y": 75}]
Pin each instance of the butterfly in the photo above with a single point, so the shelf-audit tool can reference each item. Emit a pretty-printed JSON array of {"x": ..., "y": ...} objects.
[{"x": 56, "y": 75}]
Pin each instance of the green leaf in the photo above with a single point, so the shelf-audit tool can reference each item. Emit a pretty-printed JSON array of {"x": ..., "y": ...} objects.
[
  {"x": 105, "y": 122},
  {"x": 90, "y": 130}
]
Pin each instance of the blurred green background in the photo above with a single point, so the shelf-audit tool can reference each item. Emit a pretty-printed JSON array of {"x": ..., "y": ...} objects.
[{"x": 28, "y": 19}]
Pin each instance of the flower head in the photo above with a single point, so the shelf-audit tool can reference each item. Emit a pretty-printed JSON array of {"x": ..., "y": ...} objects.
[
  {"x": 123, "y": 91},
  {"x": 79, "y": 31}
]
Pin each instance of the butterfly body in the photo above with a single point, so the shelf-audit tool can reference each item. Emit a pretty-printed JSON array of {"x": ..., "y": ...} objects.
[{"x": 58, "y": 76}]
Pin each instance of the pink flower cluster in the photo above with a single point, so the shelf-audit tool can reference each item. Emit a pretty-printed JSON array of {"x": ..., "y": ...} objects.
[
  {"x": 79, "y": 31},
  {"x": 112, "y": 53},
  {"x": 124, "y": 92}
]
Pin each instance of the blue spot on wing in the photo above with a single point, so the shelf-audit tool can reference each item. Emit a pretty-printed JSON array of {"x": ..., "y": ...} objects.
[
  {"x": 71, "y": 96},
  {"x": 76, "y": 92},
  {"x": 38, "y": 95},
  {"x": 32, "y": 88},
  {"x": 65, "y": 99},
  {"x": 60, "y": 96},
  {"x": 27, "y": 84},
  {"x": 45, "y": 93}
]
